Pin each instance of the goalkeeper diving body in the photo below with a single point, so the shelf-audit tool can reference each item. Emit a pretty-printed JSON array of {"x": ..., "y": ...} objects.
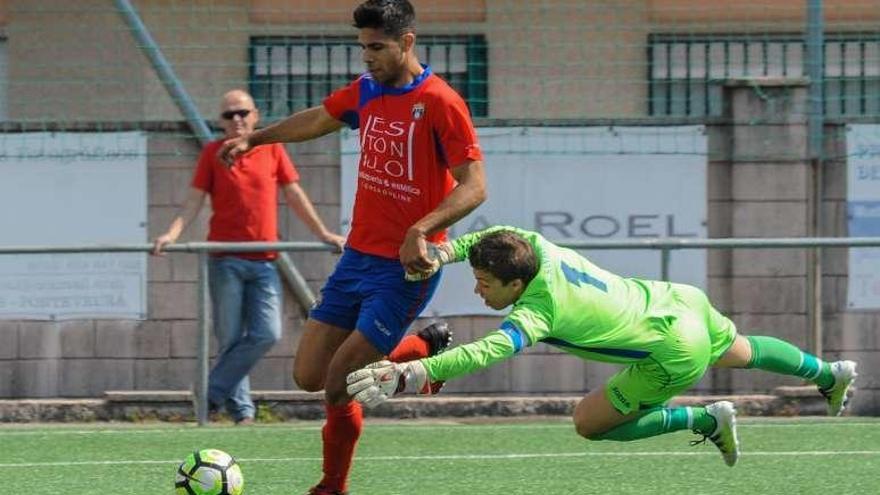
[{"x": 665, "y": 334}]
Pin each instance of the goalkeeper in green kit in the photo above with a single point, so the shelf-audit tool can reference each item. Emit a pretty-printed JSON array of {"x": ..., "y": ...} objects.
[{"x": 665, "y": 334}]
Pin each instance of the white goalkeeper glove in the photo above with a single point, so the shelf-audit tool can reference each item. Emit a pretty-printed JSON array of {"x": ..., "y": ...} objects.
[
  {"x": 439, "y": 254},
  {"x": 377, "y": 382}
]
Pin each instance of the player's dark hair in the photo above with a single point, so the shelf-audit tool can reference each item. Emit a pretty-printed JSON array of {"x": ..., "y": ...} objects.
[
  {"x": 393, "y": 17},
  {"x": 506, "y": 255}
]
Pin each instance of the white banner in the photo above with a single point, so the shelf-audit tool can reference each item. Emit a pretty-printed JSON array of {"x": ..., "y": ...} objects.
[
  {"x": 73, "y": 188},
  {"x": 575, "y": 184},
  {"x": 863, "y": 214}
]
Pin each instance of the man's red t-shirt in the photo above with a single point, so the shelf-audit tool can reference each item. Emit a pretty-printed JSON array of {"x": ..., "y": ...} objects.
[
  {"x": 244, "y": 197},
  {"x": 410, "y": 138}
]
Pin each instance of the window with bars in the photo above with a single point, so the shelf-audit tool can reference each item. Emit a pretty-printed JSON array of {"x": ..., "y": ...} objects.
[
  {"x": 291, "y": 73},
  {"x": 684, "y": 70}
]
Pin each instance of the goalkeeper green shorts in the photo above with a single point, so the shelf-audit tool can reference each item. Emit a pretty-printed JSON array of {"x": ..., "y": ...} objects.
[{"x": 696, "y": 336}]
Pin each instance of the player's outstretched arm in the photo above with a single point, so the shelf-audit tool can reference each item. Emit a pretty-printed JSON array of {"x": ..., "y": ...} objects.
[
  {"x": 467, "y": 195},
  {"x": 191, "y": 206},
  {"x": 456, "y": 250},
  {"x": 378, "y": 382},
  {"x": 304, "y": 125},
  {"x": 461, "y": 246},
  {"x": 299, "y": 202},
  {"x": 439, "y": 254}
]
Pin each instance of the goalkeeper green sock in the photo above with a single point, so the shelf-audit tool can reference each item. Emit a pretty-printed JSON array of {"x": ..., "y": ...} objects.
[
  {"x": 778, "y": 356},
  {"x": 662, "y": 420}
]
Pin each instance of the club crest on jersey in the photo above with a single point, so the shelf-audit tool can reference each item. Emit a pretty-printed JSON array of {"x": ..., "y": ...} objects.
[{"x": 418, "y": 111}]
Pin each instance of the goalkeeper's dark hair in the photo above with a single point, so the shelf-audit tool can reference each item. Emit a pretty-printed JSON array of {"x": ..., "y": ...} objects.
[
  {"x": 393, "y": 17},
  {"x": 506, "y": 255}
]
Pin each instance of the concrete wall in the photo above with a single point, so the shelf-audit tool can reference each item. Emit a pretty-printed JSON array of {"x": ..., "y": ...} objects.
[
  {"x": 85, "y": 358},
  {"x": 761, "y": 184},
  {"x": 77, "y": 61},
  {"x": 567, "y": 58}
]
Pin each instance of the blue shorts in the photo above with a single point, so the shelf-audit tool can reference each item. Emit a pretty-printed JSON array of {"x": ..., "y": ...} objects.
[{"x": 369, "y": 293}]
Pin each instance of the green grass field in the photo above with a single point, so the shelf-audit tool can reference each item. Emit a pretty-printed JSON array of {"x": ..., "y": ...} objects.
[{"x": 796, "y": 456}]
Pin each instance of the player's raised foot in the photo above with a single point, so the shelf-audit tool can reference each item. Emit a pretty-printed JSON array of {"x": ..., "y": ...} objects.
[
  {"x": 724, "y": 437},
  {"x": 437, "y": 335},
  {"x": 844, "y": 375},
  {"x": 323, "y": 490}
]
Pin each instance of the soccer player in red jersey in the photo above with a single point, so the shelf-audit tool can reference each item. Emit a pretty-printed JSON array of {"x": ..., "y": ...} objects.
[{"x": 420, "y": 171}]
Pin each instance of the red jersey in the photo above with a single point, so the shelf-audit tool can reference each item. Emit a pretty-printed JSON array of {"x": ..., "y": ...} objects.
[
  {"x": 244, "y": 197},
  {"x": 410, "y": 138}
]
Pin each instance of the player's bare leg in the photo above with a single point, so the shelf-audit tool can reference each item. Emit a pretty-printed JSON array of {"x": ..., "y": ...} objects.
[
  {"x": 738, "y": 355},
  {"x": 595, "y": 415},
  {"x": 315, "y": 349},
  {"x": 354, "y": 353}
]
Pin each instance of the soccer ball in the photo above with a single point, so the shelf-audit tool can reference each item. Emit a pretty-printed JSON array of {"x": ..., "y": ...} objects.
[{"x": 209, "y": 472}]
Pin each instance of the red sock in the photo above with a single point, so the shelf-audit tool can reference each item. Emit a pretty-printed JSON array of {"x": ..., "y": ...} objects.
[
  {"x": 340, "y": 435},
  {"x": 410, "y": 348}
]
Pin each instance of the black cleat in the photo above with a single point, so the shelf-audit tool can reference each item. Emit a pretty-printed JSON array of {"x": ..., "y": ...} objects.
[
  {"x": 323, "y": 490},
  {"x": 437, "y": 335}
]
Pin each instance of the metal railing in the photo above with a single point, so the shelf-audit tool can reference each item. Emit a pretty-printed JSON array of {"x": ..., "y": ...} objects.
[
  {"x": 203, "y": 249},
  {"x": 665, "y": 246}
]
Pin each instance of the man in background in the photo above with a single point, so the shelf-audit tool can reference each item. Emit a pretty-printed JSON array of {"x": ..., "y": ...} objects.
[{"x": 245, "y": 287}]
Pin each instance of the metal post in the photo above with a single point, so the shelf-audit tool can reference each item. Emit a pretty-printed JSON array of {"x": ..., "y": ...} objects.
[
  {"x": 164, "y": 71},
  {"x": 815, "y": 70},
  {"x": 664, "y": 264},
  {"x": 815, "y": 127},
  {"x": 297, "y": 282},
  {"x": 204, "y": 339}
]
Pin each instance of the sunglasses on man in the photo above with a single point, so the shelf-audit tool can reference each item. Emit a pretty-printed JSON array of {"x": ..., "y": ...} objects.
[{"x": 231, "y": 114}]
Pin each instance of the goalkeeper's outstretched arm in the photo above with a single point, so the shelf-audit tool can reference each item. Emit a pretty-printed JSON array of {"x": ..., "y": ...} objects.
[
  {"x": 377, "y": 382},
  {"x": 461, "y": 246},
  {"x": 469, "y": 358},
  {"x": 457, "y": 250}
]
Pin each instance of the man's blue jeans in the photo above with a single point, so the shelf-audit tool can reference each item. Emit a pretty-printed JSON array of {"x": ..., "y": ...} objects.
[{"x": 246, "y": 301}]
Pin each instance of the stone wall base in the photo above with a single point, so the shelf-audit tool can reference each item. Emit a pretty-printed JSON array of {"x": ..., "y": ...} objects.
[{"x": 283, "y": 406}]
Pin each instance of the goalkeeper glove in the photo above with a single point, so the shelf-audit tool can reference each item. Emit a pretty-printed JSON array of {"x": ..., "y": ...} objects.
[
  {"x": 377, "y": 382},
  {"x": 439, "y": 254}
]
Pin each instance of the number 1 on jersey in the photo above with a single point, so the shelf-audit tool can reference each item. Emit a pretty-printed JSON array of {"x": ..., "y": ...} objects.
[{"x": 575, "y": 277}]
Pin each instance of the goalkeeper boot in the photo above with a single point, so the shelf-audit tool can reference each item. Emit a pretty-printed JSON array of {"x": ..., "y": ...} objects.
[
  {"x": 323, "y": 490},
  {"x": 844, "y": 373},
  {"x": 437, "y": 335},
  {"x": 724, "y": 436}
]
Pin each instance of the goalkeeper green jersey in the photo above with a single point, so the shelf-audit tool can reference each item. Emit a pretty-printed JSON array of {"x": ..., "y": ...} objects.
[{"x": 571, "y": 304}]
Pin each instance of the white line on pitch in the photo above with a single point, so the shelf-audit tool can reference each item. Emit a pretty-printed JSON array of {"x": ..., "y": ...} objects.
[
  {"x": 454, "y": 457},
  {"x": 404, "y": 424}
]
